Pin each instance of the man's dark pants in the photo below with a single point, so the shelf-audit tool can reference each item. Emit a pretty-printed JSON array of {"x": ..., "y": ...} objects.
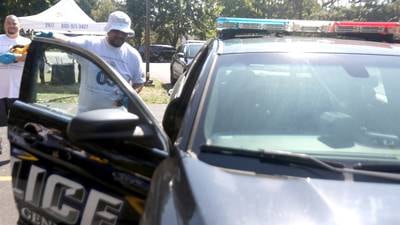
[{"x": 5, "y": 104}]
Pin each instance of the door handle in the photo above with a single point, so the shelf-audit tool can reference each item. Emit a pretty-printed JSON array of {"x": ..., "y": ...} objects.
[{"x": 33, "y": 133}]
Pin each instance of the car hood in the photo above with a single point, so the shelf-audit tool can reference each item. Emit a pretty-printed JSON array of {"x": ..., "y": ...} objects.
[{"x": 231, "y": 197}]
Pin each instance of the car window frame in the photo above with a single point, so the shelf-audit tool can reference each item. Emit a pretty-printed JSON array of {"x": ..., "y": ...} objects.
[
  {"x": 27, "y": 90},
  {"x": 191, "y": 92}
]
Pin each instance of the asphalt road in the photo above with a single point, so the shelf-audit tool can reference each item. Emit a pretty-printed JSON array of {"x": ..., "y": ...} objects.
[
  {"x": 8, "y": 211},
  {"x": 159, "y": 71}
]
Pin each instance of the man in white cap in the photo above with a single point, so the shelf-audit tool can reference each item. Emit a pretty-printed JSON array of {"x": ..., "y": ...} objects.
[
  {"x": 94, "y": 92},
  {"x": 11, "y": 66}
]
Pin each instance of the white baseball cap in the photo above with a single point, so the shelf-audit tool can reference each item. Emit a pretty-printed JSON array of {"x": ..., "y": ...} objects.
[{"x": 119, "y": 21}]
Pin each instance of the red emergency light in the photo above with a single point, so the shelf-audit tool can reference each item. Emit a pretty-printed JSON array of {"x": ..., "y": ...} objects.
[{"x": 366, "y": 27}]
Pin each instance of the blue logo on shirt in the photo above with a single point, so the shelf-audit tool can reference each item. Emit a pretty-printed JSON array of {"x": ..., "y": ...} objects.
[{"x": 103, "y": 79}]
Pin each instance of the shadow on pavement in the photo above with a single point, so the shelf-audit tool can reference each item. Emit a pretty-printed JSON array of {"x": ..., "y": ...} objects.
[{"x": 5, "y": 162}]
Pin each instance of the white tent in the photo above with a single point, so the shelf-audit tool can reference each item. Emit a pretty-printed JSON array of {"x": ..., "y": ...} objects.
[{"x": 64, "y": 17}]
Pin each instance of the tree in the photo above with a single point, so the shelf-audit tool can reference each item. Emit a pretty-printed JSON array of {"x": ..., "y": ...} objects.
[
  {"x": 178, "y": 18},
  {"x": 87, "y": 5},
  {"x": 137, "y": 11},
  {"x": 204, "y": 27},
  {"x": 172, "y": 19},
  {"x": 284, "y": 9},
  {"x": 103, "y": 8},
  {"x": 25, "y": 8},
  {"x": 241, "y": 8}
]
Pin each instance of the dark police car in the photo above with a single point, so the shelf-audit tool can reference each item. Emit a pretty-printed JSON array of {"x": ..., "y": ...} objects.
[{"x": 260, "y": 130}]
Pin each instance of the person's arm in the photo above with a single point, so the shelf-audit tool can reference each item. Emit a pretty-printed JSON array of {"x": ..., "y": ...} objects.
[
  {"x": 56, "y": 36},
  {"x": 61, "y": 37},
  {"x": 137, "y": 79}
]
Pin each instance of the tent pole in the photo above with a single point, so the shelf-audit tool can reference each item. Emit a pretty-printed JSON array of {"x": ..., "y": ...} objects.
[{"x": 146, "y": 45}]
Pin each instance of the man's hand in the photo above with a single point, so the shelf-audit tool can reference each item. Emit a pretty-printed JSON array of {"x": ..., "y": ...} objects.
[
  {"x": 7, "y": 58},
  {"x": 20, "y": 57}
]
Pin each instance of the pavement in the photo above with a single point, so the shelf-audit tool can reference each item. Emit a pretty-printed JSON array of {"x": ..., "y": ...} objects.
[
  {"x": 159, "y": 71},
  {"x": 8, "y": 211}
]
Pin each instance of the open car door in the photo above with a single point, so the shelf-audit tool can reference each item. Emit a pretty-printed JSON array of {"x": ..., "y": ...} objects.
[{"x": 72, "y": 167}]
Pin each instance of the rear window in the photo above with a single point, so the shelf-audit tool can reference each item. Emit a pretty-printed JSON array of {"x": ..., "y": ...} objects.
[{"x": 192, "y": 50}]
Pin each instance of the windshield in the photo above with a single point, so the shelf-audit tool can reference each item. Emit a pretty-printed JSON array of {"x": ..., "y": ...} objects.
[
  {"x": 192, "y": 50},
  {"x": 326, "y": 105}
]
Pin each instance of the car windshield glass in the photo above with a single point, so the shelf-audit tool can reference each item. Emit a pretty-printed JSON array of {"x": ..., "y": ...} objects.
[
  {"x": 326, "y": 105},
  {"x": 193, "y": 49}
]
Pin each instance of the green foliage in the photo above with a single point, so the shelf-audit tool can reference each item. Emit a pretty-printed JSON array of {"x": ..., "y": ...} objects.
[
  {"x": 157, "y": 94},
  {"x": 87, "y": 5},
  {"x": 103, "y": 8},
  {"x": 137, "y": 11},
  {"x": 369, "y": 10},
  {"x": 241, "y": 8},
  {"x": 204, "y": 27},
  {"x": 22, "y": 8},
  {"x": 300, "y": 9},
  {"x": 173, "y": 19}
]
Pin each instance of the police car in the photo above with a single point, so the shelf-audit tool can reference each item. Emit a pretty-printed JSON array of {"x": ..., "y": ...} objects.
[{"x": 271, "y": 124}]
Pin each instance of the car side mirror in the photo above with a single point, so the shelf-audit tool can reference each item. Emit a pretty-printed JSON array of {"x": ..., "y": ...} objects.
[
  {"x": 106, "y": 124},
  {"x": 172, "y": 118}
]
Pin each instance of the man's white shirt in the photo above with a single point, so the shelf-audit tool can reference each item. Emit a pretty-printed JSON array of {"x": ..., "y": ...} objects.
[
  {"x": 96, "y": 90},
  {"x": 10, "y": 74}
]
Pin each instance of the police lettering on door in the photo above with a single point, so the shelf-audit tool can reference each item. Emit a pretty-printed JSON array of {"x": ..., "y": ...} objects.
[{"x": 60, "y": 198}]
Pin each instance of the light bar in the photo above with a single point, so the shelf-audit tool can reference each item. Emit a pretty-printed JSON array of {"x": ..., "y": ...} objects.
[
  {"x": 366, "y": 27},
  {"x": 310, "y": 26},
  {"x": 229, "y": 27},
  {"x": 224, "y": 23}
]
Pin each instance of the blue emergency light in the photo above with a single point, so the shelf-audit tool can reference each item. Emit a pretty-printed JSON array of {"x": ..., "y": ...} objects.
[{"x": 224, "y": 23}]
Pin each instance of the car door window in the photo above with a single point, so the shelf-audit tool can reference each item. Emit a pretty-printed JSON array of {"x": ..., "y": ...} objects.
[
  {"x": 180, "y": 49},
  {"x": 71, "y": 84}
]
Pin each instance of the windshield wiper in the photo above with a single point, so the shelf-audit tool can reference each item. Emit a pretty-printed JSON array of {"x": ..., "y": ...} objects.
[{"x": 276, "y": 156}]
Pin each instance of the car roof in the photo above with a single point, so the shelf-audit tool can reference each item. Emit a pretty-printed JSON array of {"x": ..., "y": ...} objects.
[
  {"x": 195, "y": 41},
  {"x": 305, "y": 44},
  {"x": 161, "y": 45}
]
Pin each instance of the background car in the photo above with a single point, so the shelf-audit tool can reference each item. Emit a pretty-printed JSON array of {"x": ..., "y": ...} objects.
[
  {"x": 183, "y": 57},
  {"x": 261, "y": 129},
  {"x": 158, "y": 53}
]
